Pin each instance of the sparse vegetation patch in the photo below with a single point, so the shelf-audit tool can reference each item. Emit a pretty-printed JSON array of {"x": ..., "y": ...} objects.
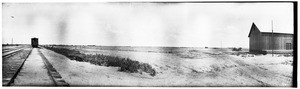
[
  {"x": 125, "y": 64},
  {"x": 237, "y": 49}
]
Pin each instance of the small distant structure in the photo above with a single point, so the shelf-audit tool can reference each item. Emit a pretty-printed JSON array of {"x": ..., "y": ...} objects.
[
  {"x": 269, "y": 41},
  {"x": 34, "y": 42}
]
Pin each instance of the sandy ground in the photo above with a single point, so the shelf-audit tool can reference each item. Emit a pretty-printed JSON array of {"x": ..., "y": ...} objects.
[
  {"x": 33, "y": 72},
  {"x": 204, "y": 68}
]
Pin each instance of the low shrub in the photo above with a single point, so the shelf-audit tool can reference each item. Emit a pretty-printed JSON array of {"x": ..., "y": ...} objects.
[
  {"x": 237, "y": 49},
  {"x": 125, "y": 64},
  {"x": 263, "y": 52}
]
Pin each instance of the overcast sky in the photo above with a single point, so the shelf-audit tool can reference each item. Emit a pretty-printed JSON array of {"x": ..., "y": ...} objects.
[{"x": 143, "y": 24}]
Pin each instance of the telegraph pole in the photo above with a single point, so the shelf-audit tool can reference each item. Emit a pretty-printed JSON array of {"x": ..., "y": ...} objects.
[
  {"x": 221, "y": 45},
  {"x": 272, "y": 40}
]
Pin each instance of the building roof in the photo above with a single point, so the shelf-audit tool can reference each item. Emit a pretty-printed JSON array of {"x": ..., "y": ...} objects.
[
  {"x": 276, "y": 33},
  {"x": 266, "y": 31},
  {"x": 253, "y": 26}
]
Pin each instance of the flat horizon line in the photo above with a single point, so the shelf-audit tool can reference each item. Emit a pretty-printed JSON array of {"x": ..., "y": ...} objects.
[{"x": 130, "y": 46}]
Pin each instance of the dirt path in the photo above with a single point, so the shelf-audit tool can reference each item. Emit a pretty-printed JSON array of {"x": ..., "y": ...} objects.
[
  {"x": 262, "y": 76},
  {"x": 34, "y": 72}
]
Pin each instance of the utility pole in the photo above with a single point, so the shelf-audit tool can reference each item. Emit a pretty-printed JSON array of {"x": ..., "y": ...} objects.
[
  {"x": 12, "y": 40},
  {"x": 272, "y": 40},
  {"x": 221, "y": 45}
]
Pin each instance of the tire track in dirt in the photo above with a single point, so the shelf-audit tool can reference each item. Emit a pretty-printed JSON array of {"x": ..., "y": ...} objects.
[
  {"x": 264, "y": 77},
  {"x": 250, "y": 71},
  {"x": 241, "y": 68},
  {"x": 234, "y": 71}
]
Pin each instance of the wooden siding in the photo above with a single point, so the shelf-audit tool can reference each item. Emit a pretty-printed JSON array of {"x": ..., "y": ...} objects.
[
  {"x": 279, "y": 41},
  {"x": 263, "y": 41},
  {"x": 255, "y": 39}
]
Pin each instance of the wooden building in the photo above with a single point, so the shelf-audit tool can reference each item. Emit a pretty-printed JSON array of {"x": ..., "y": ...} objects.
[{"x": 266, "y": 41}]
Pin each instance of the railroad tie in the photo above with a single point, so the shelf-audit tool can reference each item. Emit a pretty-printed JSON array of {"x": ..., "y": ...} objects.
[
  {"x": 15, "y": 69},
  {"x": 55, "y": 76}
]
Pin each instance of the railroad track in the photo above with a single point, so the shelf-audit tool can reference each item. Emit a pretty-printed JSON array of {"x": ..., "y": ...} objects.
[
  {"x": 14, "y": 72},
  {"x": 13, "y": 66},
  {"x": 5, "y": 50},
  {"x": 55, "y": 76},
  {"x": 8, "y": 53}
]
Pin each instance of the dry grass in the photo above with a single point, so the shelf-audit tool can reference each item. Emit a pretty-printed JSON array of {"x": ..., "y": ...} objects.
[{"x": 125, "y": 64}]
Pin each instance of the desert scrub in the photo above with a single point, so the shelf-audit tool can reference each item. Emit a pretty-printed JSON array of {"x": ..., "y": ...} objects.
[{"x": 125, "y": 64}]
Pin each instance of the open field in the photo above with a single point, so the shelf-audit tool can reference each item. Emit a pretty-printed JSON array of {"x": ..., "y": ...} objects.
[{"x": 175, "y": 67}]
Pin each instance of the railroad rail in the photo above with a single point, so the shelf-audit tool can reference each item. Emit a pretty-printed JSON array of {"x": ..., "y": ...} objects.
[
  {"x": 7, "y": 54},
  {"x": 55, "y": 76},
  {"x": 14, "y": 67},
  {"x": 5, "y": 50}
]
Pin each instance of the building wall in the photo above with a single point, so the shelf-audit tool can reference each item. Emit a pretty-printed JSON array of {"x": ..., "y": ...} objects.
[
  {"x": 279, "y": 41},
  {"x": 255, "y": 40}
]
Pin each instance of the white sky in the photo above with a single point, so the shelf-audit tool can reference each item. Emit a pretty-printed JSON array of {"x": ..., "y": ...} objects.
[{"x": 142, "y": 24}]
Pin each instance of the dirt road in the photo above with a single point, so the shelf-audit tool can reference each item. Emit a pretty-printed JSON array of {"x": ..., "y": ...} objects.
[{"x": 262, "y": 76}]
